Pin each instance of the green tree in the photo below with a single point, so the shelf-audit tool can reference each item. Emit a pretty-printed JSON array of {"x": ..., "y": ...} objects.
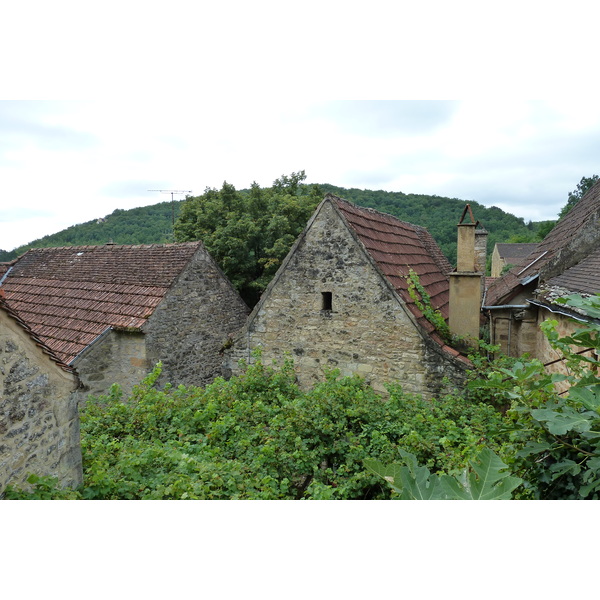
[
  {"x": 577, "y": 194},
  {"x": 543, "y": 229},
  {"x": 249, "y": 232}
]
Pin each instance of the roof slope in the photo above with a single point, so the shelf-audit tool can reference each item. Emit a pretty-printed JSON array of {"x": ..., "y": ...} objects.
[
  {"x": 45, "y": 349},
  {"x": 509, "y": 251},
  {"x": 70, "y": 296},
  {"x": 396, "y": 246},
  {"x": 582, "y": 278},
  {"x": 574, "y": 237}
]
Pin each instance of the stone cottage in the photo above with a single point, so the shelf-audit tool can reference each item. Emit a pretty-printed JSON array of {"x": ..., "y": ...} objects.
[
  {"x": 340, "y": 300},
  {"x": 112, "y": 312},
  {"x": 567, "y": 261},
  {"x": 39, "y": 418}
]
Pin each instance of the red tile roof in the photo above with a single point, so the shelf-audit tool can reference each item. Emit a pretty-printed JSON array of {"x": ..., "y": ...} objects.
[
  {"x": 577, "y": 228},
  {"x": 70, "y": 296},
  {"x": 396, "y": 247},
  {"x": 13, "y": 314}
]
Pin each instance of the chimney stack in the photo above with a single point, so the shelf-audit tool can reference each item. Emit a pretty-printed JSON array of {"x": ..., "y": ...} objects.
[{"x": 466, "y": 281}]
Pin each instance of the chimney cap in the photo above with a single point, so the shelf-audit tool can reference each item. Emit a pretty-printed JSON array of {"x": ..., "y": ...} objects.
[{"x": 464, "y": 213}]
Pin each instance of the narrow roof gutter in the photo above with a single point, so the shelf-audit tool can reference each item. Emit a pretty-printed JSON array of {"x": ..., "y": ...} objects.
[
  {"x": 532, "y": 263},
  {"x": 505, "y": 306},
  {"x": 552, "y": 308},
  {"x": 97, "y": 339}
]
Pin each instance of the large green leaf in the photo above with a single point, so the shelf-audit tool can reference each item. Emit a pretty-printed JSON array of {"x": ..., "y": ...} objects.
[
  {"x": 589, "y": 396},
  {"x": 569, "y": 419},
  {"x": 487, "y": 479},
  {"x": 410, "y": 481}
]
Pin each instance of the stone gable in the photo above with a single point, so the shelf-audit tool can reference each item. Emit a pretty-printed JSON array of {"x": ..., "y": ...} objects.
[
  {"x": 330, "y": 307},
  {"x": 114, "y": 311},
  {"x": 39, "y": 420}
]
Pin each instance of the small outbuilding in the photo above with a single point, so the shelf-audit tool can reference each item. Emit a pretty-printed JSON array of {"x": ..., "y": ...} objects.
[
  {"x": 509, "y": 255},
  {"x": 112, "y": 312}
]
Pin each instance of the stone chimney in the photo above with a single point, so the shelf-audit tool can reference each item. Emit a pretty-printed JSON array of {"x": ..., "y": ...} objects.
[
  {"x": 481, "y": 236},
  {"x": 465, "y": 281}
]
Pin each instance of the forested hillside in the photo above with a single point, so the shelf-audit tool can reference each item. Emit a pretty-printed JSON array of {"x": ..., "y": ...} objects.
[
  {"x": 144, "y": 225},
  {"x": 440, "y": 215},
  {"x": 154, "y": 224}
]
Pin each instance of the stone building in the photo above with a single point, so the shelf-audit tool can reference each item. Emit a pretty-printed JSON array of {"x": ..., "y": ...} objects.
[
  {"x": 112, "y": 312},
  {"x": 39, "y": 418},
  {"x": 567, "y": 261},
  {"x": 340, "y": 300}
]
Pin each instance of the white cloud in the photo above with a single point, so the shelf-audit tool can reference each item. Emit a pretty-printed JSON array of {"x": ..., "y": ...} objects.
[{"x": 69, "y": 162}]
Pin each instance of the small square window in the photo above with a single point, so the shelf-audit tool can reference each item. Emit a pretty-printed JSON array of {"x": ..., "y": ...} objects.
[{"x": 327, "y": 298}]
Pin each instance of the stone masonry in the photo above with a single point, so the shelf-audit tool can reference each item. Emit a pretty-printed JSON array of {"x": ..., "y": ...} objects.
[
  {"x": 329, "y": 308},
  {"x": 189, "y": 328},
  {"x": 39, "y": 420}
]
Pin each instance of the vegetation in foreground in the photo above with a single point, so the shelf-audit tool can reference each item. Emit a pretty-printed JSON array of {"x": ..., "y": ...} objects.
[{"x": 258, "y": 436}]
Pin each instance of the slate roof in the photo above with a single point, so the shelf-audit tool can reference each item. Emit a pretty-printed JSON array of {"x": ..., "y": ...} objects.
[
  {"x": 583, "y": 278},
  {"x": 578, "y": 229},
  {"x": 70, "y": 296},
  {"x": 396, "y": 246},
  {"x": 515, "y": 251}
]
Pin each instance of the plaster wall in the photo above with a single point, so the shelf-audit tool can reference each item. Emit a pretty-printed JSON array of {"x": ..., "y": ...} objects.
[{"x": 116, "y": 357}]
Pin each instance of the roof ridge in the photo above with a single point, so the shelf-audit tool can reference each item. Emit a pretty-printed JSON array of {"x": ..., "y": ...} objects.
[
  {"x": 375, "y": 211},
  {"x": 108, "y": 245}
]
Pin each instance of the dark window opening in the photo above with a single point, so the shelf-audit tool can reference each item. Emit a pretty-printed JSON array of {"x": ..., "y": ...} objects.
[{"x": 327, "y": 300}]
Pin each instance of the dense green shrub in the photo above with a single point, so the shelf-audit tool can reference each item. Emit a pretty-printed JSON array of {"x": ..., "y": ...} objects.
[{"x": 258, "y": 436}]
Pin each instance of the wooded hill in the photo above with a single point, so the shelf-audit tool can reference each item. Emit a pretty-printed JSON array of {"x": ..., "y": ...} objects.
[
  {"x": 154, "y": 224},
  {"x": 440, "y": 216}
]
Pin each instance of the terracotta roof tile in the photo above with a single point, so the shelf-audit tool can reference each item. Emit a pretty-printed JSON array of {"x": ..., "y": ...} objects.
[
  {"x": 69, "y": 296},
  {"x": 51, "y": 353}
]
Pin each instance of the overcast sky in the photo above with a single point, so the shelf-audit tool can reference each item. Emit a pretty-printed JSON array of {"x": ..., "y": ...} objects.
[
  {"x": 63, "y": 163},
  {"x": 186, "y": 96}
]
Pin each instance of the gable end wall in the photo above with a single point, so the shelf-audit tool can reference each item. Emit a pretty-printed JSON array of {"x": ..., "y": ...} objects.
[
  {"x": 189, "y": 328},
  {"x": 39, "y": 419},
  {"x": 367, "y": 332}
]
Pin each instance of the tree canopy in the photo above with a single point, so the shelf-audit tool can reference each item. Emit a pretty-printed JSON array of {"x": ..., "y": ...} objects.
[
  {"x": 249, "y": 232},
  {"x": 577, "y": 194}
]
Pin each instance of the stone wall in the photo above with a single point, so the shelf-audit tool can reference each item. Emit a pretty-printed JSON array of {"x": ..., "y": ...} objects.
[
  {"x": 186, "y": 332},
  {"x": 39, "y": 420},
  {"x": 117, "y": 357},
  {"x": 191, "y": 325},
  {"x": 515, "y": 330},
  {"x": 545, "y": 352},
  {"x": 366, "y": 330}
]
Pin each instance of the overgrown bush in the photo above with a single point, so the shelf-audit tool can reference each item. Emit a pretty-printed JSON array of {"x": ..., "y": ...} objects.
[{"x": 258, "y": 436}]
